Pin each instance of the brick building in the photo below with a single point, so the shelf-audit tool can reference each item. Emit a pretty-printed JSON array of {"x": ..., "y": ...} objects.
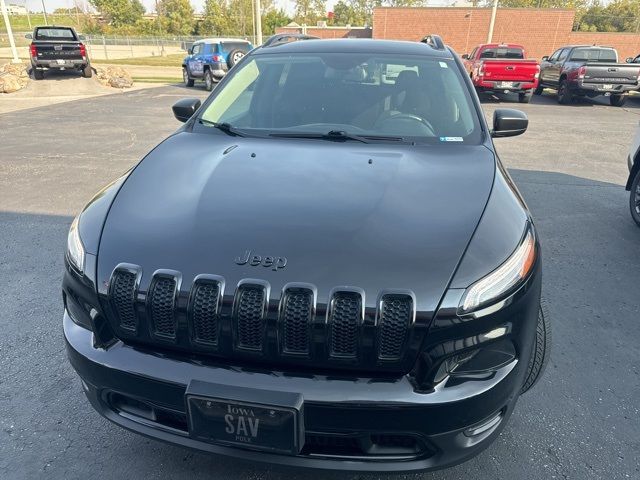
[{"x": 541, "y": 31}]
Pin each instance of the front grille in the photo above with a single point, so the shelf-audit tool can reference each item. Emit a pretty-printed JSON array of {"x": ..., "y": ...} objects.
[
  {"x": 295, "y": 329},
  {"x": 162, "y": 307},
  {"x": 250, "y": 316},
  {"x": 123, "y": 298},
  {"x": 204, "y": 312},
  {"x": 346, "y": 314},
  {"x": 297, "y": 310},
  {"x": 396, "y": 312}
]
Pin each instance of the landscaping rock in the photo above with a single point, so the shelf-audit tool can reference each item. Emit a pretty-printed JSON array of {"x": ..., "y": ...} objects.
[
  {"x": 13, "y": 77},
  {"x": 114, "y": 76}
]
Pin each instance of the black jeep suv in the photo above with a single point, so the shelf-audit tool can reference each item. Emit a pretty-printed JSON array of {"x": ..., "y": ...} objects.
[{"x": 327, "y": 266}]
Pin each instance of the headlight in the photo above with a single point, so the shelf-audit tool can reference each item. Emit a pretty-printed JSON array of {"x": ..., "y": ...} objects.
[
  {"x": 75, "y": 249},
  {"x": 499, "y": 282}
]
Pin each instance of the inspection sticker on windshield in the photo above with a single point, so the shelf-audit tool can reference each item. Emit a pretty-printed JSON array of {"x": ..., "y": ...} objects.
[
  {"x": 451, "y": 139},
  {"x": 443, "y": 65}
]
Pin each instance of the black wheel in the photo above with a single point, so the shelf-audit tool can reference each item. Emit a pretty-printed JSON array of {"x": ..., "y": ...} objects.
[
  {"x": 87, "y": 71},
  {"x": 525, "y": 97},
  {"x": 234, "y": 57},
  {"x": 617, "y": 100},
  {"x": 38, "y": 74},
  {"x": 634, "y": 199},
  {"x": 565, "y": 96},
  {"x": 208, "y": 80},
  {"x": 541, "y": 350},
  {"x": 188, "y": 81},
  {"x": 539, "y": 89}
]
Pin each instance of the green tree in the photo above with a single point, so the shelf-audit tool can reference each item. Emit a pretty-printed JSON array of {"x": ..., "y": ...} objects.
[
  {"x": 176, "y": 16},
  {"x": 216, "y": 18},
  {"x": 308, "y": 12},
  {"x": 617, "y": 16},
  {"x": 119, "y": 12},
  {"x": 273, "y": 19}
]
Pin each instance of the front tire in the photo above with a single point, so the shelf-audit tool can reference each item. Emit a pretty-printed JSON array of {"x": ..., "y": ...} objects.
[
  {"x": 565, "y": 95},
  {"x": 525, "y": 97},
  {"x": 617, "y": 100},
  {"x": 208, "y": 80},
  {"x": 87, "y": 71},
  {"x": 188, "y": 81},
  {"x": 541, "y": 350},
  {"x": 634, "y": 199}
]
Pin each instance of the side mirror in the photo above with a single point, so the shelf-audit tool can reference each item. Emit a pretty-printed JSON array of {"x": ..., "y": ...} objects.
[
  {"x": 184, "y": 109},
  {"x": 545, "y": 58},
  {"x": 29, "y": 36},
  {"x": 465, "y": 56},
  {"x": 509, "y": 123},
  {"x": 81, "y": 37},
  {"x": 190, "y": 50},
  {"x": 629, "y": 60}
]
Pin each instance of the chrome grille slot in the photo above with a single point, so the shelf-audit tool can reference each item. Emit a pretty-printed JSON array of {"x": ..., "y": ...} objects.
[
  {"x": 249, "y": 317},
  {"x": 123, "y": 298},
  {"x": 297, "y": 310},
  {"x": 204, "y": 316},
  {"x": 396, "y": 312},
  {"x": 344, "y": 321},
  {"x": 161, "y": 304}
]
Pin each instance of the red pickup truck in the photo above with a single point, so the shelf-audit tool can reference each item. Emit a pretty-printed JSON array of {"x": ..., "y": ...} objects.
[{"x": 502, "y": 68}]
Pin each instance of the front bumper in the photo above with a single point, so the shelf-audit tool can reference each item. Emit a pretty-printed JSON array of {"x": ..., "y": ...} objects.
[{"x": 333, "y": 407}]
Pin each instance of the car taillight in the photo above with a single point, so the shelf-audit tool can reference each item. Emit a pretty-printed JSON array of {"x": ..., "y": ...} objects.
[
  {"x": 581, "y": 71},
  {"x": 481, "y": 70},
  {"x": 33, "y": 50},
  {"x": 537, "y": 75},
  {"x": 83, "y": 50},
  {"x": 217, "y": 58}
]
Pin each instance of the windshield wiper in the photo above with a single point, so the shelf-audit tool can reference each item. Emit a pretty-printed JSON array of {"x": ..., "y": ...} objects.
[
  {"x": 224, "y": 126},
  {"x": 331, "y": 135}
]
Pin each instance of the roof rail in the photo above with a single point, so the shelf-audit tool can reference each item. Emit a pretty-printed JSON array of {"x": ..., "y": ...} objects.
[
  {"x": 281, "y": 38},
  {"x": 434, "y": 41}
]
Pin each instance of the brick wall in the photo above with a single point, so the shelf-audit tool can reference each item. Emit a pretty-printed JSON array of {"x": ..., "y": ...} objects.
[
  {"x": 539, "y": 30},
  {"x": 330, "y": 32}
]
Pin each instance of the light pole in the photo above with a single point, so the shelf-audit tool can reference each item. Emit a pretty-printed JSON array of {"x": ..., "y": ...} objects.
[
  {"x": 44, "y": 11},
  {"x": 26, "y": 7},
  {"x": 494, "y": 10},
  {"x": 7, "y": 24},
  {"x": 258, "y": 23}
]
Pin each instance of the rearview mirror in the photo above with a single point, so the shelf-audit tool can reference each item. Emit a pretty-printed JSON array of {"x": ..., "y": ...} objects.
[
  {"x": 29, "y": 36},
  {"x": 509, "y": 123},
  {"x": 184, "y": 109},
  {"x": 545, "y": 58},
  {"x": 465, "y": 56}
]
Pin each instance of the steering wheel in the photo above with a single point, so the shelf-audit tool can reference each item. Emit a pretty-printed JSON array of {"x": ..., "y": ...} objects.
[{"x": 412, "y": 118}]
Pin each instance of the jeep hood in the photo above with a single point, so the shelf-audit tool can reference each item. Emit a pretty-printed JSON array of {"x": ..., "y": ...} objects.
[{"x": 371, "y": 216}]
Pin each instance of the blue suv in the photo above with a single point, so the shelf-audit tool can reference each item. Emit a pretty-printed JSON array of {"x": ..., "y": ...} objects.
[{"x": 211, "y": 58}]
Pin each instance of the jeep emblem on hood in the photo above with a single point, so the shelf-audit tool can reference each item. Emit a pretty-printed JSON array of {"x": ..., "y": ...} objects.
[{"x": 276, "y": 263}]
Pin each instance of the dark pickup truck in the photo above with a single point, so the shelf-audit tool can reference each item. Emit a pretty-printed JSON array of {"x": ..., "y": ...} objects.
[
  {"x": 588, "y": 71},
  {"x": 58, "y": 48}
]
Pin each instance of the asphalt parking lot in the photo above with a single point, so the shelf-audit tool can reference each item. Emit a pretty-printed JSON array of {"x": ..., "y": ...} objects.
[{"x": 582, "y": 421}]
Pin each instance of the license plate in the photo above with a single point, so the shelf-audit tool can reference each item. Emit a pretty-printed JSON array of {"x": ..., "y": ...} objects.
[
  {"x": 237, "y": 416},
  {"x": 57, "y": 47},
  {"x": 505, "y": 84},
  {"x": 60, "y": 62},
  {"x": 607, "y": 86}
]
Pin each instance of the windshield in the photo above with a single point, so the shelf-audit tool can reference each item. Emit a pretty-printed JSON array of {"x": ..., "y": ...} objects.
[
  {"x": 594, "y": 55},
  {"x": 503, "y": 52},
  {"x": 412, "y": 98},
  {"x": 54, "y": 33}
]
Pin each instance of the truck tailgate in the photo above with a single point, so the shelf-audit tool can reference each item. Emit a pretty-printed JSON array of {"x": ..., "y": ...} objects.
[
  {"x": 58, "y": 50},
  {"x": 510, "y": 70},
  {"x": 611, "y": 73}
]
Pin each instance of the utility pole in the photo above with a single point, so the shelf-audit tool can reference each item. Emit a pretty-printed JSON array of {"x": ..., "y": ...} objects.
[
  {"x": 494, "y": 10},
  {"x": 258, "y": 23},
  {"x": 7, "y": 24},
  {"x": 26, "y": 7},
  {"x": 44, "y": 11}
]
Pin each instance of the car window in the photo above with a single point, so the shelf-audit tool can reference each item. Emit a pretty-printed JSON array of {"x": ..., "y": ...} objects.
[
  {"x": 413, "y": 97},
  {"x": 473, "y": 53},
  {"x": 54, "y": 33},
  {"x": 555, "y": 55},
  {"x": 563, "y": 54},
  {"x": 229, "y": 46},
  {"x": 590, "y": 54},
  {"x": 502, "y": 52},
  {"x": 197, "y": 48}
]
